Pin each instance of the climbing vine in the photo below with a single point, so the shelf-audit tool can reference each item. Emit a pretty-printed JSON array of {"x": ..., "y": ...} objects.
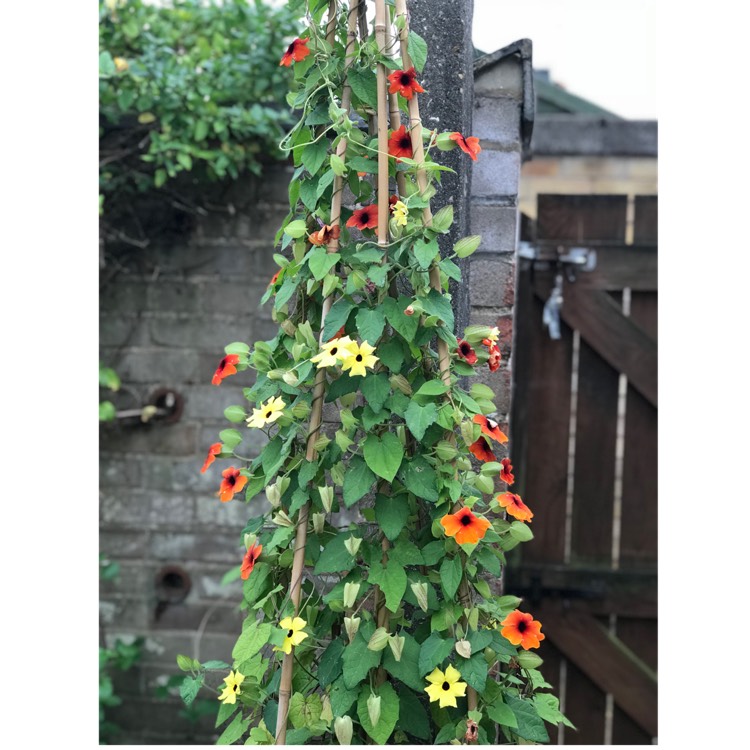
[{"x": 389, "y": 628}]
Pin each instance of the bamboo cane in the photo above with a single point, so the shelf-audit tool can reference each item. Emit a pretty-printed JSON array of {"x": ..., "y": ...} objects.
[
  {"x": 395, "y": 113},
  {"x": 295, "y": 590},
  {"x": 443, "y": 356}
]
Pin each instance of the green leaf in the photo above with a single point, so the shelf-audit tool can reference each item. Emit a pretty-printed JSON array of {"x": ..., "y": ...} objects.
[
  {"x": 107, "y": 64},
  {"x": 473, "y": 671},
  {"x": 358, "y": 481},
  {"x": 329, "y": 666},
  {"x": 187, "y": 663},
  {"x": 358, "y": 660},
  {"x": 376, "y": 389},
  {"x": 304, "y": 711},
  {"x": 433, "y": 652},
  {"x": 406, "y": 325},
  {"x": 437, "y": 304},
  {"x": 364, "y": 86},
  {"x": 391, "y": 513},
  {"x": 450, "y": 269},
  {"x": 447, "y": 732},
  {"x": 425, "y": 252},
  {"x": 107, "y": 411},
  {"x": 383, "y": 454},
  {"x": 335, "y": 557},
  {"x": 417, "y": 50},
  {"x": 190, "y": 687},
  {"x": 224, "y": 712},
  {"x": 432, "y": 388},
  {"x": 392, "y": 582},
  {"x": 389, "y": 710},
  {"x": 419, "y": 418},
  {"x": 108, "y": 378},
  {"x": 252, "y": 640},
  {"x": 406, "y": 669},
  {"x": 450, "y": 576},
  {"x": 413, "y": 718},
  {"x": 548, "y": 708},
  {"x": 230, "y": 439},
  {"x": 337, "y": 317},
  {"x": 314, "y": 154},
  {"x": 337, "y": 165},
  {"x": 256, "y": 584},
  {"x": 321, "y": 262},
  {"x": 519, "y": 530},
  {"x": 216, "y": 664},
  {"x": 420, "y": 478},
  {"x": 342, "y": 697},
  {"x": 370, "y": 323},
  {"x": 391, "y": 354},
  {"x": 234, "y": 731},
  {"x": 501, "y": 714},
  {"x": 480, "y": 639},
  {"x": 296, "y": 229},
  {"x": 530, "y": 726},
  {"x": 235, "y": 414}
]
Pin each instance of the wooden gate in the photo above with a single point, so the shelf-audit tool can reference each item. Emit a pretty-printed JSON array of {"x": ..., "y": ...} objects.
[{"x": 585, "y": 448}]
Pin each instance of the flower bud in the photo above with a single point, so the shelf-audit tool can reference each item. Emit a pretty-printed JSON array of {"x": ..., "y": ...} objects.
[
  {"x": 373, "y": 709},
  {"x": 446, "y": 451},
  {"x": 276, "y": 374},
  {"x": 326, "y": 497},
  {"x": 466, "y": 246},
  {"x": 395, "y": 229},
  {"x": 396, "y": 642},
  {"x": 318, "y": 520},
  {"x": 350, "y": 594},
  {"x": 444, "y": 142},
  {"x": 378, "y": 640},
  {"x": 250, "y": 540},
  {"x": 342, "y": 726},
  {"x": 300, "y": 410},
  {"x": 282, "y": 519},
  {"x": 351, "y": 625},
  {"x": 419, "y": 589},
  {"x": 288, "y": 327},
  {"x": 463, "y": 648},
  {"x": 290, "y": 378},
  {"x": 409, "y": 310},
  {"x": 400, "y": 383},
  {"x": 352, "y": 545}
]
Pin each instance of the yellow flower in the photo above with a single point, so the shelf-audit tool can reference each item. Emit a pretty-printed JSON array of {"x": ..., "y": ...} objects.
[
  {"x": 121, "y": 64},
  {"x": 295, "y": 634},
  {"x": 400, "y": 212},
  {"x": 493, "y": 334},
  {"x": 445, "y": 687},
  {"x": 333, "y": 352},
  {"x": 268, "y": 412},
  {"x": 232, "y": 690},
  {"x": 360, "y": 356}
]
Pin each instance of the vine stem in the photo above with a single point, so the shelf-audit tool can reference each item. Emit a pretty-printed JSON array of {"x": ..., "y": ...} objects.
[
  {"x": 417, "y": 145},
  {"x": 316, "y": 415}
]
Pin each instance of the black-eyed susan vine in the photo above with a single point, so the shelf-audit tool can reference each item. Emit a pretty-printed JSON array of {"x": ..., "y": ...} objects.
[{"x": 387, "y": 630}]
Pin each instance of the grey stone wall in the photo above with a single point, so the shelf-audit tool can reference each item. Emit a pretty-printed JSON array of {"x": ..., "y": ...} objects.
[{"x": 166, "y": 313}]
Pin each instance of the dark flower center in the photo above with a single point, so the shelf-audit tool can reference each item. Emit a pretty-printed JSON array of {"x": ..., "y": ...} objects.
[
  {"x": 446, "y": 685},
  {"x": 464, "y": 348},
  {"x": 334, "y": 349},
  {"x": 358, "y": 358},
  {"x": 405, "y": 79},
  {"x": 466, "y": 520},
  {"x": 290, "y": 49},
  {"x": 522, "y": 626},
  {"x": 236, "y": 687},
  {"x": 404, "y": 141},
  {"x": 290, "y": 634},
  {"x": 231, "y": 480},
  {"x": 269, "y": 414},
  {"x": 223, "y": 363}
]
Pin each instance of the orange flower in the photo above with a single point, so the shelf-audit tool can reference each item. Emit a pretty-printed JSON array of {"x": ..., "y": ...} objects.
[
  {"x": 233, "y": 482},
  {"x": 468, "y": 145},
  {"x": 522, "y": 628},
  {"x": 466, "y": 352},
  {"x": 465, "y": 526},
  {"x": 248, "y": 561},
  {"x": 491, "y": 428},
  {"x": 481, "y": 450},
  {"x": 493, "y": 361},
  {"x": 296, "y": 51},
  {"x": 325, "y": 234},
  {"x": 515, "y": 506},
  {"x": 399, "y": 144},
  {"x": 506, "y": 473},
  {"x": 405, "y": 83},
  {"x": 364, "y": 218},
  {"x": 275, "y": 277},
  {"x": 226, "y": 367},
  {"x": 213, "y": 451}
]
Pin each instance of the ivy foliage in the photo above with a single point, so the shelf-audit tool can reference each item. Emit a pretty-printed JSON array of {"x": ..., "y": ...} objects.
[{"x": 391, "y": 600}]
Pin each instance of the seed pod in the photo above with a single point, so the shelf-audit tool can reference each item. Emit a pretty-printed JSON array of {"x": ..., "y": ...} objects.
[
  {"x": 373, "y": 709},
  {"x": 288, "y": 327},
  {"x": 276, "y": 374},
  {"x": 527, "y": 660},
  {"x": 399, "y": 382},
  {"x": 273, "y": 493},
  {"x": 300, "y": 410},
  {"x": 326, "y": 497},
  {"x": 419, "y": 589},
  {"x": 378, "y": 640},
  {"x": 290, "y": 378},
  {"x": 250, "y": 540},
  {"x": 484, "y": 484},
  {"x": 342, "y": 726},
  {"x": 351, "y": 625},
  {"x": 352, "y": 545},
  {"x": 466, "y": 246},
  {"x": 282, "y": 519},
  {"x": 446, "y": 451},
  {"x": 318, "y": 521},
  {"x": 463, "y": 648},
  {"x": 396, "y": 642},
  {"x": 350, "y": 594},
  {"x": 322, "y": 443}
]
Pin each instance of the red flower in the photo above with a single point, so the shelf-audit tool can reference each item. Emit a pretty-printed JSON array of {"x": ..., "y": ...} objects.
[
  {"x": 405, "y": 83},
  {"x": 466, "y": 352},
  {"x": 399, "y": 144},
  {"x": 296, "y": 51},
  {"x": 275, "y": 277},
  {"x": 325, "y": 234},
  {"x": 468, "y": 145},
  {"x": 226, "y": 367},
  {"x": 213, "y": 451},
  {"x": 515, "y": 506},
  {"x": 338, "y": 334},
  {"x": 481, "y": 450},
  {"x": 364, "y": 218},
  {"x": 392, "y": 201},
  {"x": 248, "y": 561},
  {"x": 493, "y": 361},
  {"x": 521, "y": 628},
  {"x": 465, "y": 526},
  {"x": 490, "y": 428},
  {"x": 233, "y": 482},
  {"x": 506, "y": 473}
]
